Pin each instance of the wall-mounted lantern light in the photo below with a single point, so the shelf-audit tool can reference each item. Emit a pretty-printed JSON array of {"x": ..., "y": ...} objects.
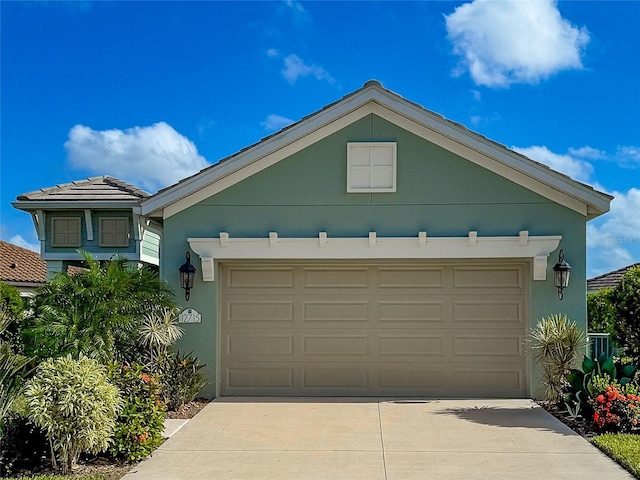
[
  {"x": 561, "y": 271},
  {"x": 187, "y": 276}
]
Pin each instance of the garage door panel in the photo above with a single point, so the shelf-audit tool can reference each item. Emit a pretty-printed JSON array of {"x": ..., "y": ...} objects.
[
  {"x": 259, "y": 379},
  {"x": 411, "y": 345},
  {"x": 334, "y": 377},
  {"x": 240, "y": 310},
  {"x": 335, "y": 311},
  {"x": 492, "y": 379},
  {"x": 483, "y": 345},
  {"x": 239, "y": 346},
  {"x": 335, "y": 346},
  {"x": 409, "y": 277},
  {"x": 242, "y": 277},
  {"x": 428, "y": 330},
  {"x": 346, "y": 277},
  {"x": 410, "y": 309},
  {"x": 490, "y": 312}
]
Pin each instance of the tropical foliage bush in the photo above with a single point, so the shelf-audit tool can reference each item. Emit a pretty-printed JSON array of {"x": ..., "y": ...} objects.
[
  {"x": 12, "y": 369},
  {"x": 74, "y": 403},
  {"x": 617, "y": 410},
  {"x": 601, "y": 316},
  {"x": 138, "y": 431},
  {"x": 182, "y": 379},
  {"x": 94, "y": 312},
  {"x": 626, "y": 302},
  {"x": 557, "y": 344}
]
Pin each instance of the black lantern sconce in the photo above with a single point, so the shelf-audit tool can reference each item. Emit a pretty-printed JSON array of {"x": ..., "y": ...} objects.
[
  {"x": 561, "y": 271},
  {"x": 187, "y": 276}
]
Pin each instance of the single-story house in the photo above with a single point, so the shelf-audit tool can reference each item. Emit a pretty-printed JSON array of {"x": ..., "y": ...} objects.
[
  {"x": 372, "y": 248},
  {"x": 608, "y": 280}
]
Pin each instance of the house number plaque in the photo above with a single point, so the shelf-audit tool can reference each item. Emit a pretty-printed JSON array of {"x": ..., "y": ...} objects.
[{"x": 189, "y": 315}]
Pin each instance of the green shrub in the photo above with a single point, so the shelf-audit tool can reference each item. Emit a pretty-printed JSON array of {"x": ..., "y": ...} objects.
[
  {"x": 74, "y": 403},
  {"x": 601, "y": 316},
  {"x": 10, "y": 299},
  {"x": 557, "y": 342},
  {"x": 12, "y": 370},
  {"x": 94, "y": 312},
  {"x": 626, "y": 302},
  {"x": 139, "y": 426},
  {"x": 181, "y": 378},
  {"x": 157, "y": 333}
]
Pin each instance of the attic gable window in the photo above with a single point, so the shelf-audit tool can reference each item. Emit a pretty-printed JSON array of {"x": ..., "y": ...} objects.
[
  {"x": 65, "y": 232},
  {"x": 371, "y": 167},
  {"x": 114, "y": 232}
]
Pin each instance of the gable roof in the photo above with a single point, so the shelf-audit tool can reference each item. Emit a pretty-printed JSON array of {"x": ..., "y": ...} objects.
[
  {"x": 372, "y": 98},
  {"x": 105, "y": 189},
  {"x": 608, "y": 280},
  {"x": 19, "y": 266}
]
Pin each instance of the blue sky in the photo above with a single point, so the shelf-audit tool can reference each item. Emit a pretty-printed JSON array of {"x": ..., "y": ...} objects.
[{"x": 151, "y": 92}]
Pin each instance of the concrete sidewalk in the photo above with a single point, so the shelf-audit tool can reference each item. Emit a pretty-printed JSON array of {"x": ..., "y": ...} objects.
[{"x": 371, "y": 439}]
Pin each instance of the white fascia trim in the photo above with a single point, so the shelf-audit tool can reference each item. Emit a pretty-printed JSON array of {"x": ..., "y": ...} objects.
[
  {"x": 500, "y": 160},
  {"x": 72, "y": 256},
  {"x": 537, "y": 173},
  {"x": 264, "y": 149},
  {"x": 535, "y": 248},
  {"x": 231, "y": 173}
]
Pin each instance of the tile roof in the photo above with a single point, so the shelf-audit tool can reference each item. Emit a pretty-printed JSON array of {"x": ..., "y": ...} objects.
[
  {"x": 19, "y": 265},
  {"x": 94, "y": 188},
  {"x": 608, "y": 280}
]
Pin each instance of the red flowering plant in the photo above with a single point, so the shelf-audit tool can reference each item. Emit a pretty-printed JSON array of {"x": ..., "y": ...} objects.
[
  {"x": 140, "y": 424},
  {"x": 617, "y": 409}
]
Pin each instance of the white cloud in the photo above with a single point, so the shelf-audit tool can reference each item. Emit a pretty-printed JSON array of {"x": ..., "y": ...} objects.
[
  {"x": 628, "y": 157},
  {"x": 276, "y": 122},
  {"x": 613, "y": 240},
  {"x": 295, "y": 68},
  {"x": 21, "y": 242},
  {"x": 507, "y": 42},
  {"x": 577, "y": 169},
  {"x": 150, "y": 157},
  {"x": 299, "y": 15},
  {"x": 588, "y": 153}
]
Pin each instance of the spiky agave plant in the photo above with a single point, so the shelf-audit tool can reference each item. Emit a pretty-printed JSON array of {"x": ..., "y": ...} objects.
[{"x": 557, "y": 345}]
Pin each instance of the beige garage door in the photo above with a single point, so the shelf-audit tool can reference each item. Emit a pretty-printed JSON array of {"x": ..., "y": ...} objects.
[{"x": 385, "y": 329}]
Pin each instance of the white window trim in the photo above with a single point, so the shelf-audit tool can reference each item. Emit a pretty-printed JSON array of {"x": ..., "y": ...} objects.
[
  {"x": 102, "y": 243},
  {"x": 394, "y": 149},
  {"x": 76, "y": 220},
  {"x": 472, "y": 246}
]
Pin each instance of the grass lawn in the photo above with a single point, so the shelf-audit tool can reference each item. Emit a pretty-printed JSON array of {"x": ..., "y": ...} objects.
[{"x": 623, "y": 448}]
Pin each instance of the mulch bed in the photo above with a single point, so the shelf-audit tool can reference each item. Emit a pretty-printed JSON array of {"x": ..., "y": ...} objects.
[
  {"x": 578, "y": 425},
  {"x": 189, "y": 410}
]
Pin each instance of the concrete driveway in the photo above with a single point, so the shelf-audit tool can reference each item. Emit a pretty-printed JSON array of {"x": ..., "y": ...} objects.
[{"x": 371, "y": 439}]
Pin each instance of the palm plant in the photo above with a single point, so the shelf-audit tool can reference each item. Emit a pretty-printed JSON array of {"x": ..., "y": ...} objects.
[
  {"x": 157, "y": 333},
  {"x": 557, "y": 344},
  {"x": 94, "y": 312}
]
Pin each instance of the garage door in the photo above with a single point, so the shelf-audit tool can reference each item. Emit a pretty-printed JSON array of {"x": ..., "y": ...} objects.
[{"x": 443, "y": 330}]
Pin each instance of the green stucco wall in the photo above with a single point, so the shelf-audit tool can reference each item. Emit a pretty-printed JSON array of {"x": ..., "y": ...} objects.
[{"x": 437, "y": 191}]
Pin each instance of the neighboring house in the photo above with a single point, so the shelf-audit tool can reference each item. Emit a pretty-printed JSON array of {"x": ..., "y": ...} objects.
[
  {"x": 100, "y": 215},
  {"x": 21, "y": 268},
  {"x": 373, "y": 248},
  {"x": 608, "y": 280}
]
